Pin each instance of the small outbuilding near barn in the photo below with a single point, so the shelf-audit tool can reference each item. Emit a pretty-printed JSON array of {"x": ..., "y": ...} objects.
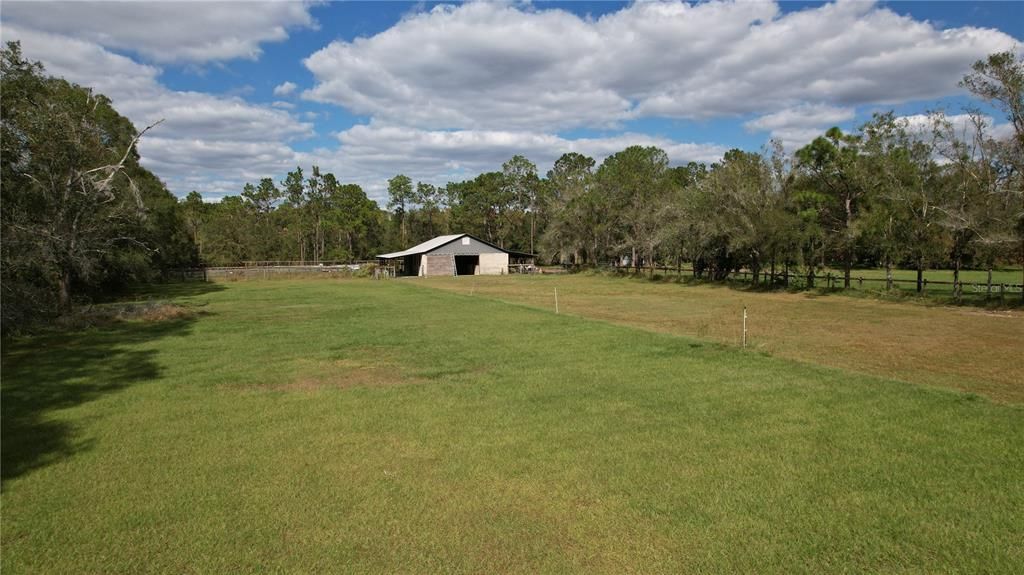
[{"x": 453, "y": 255}]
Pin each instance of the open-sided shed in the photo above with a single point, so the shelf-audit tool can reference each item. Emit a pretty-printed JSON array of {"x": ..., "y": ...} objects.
[{"x": 456, "y": 254}]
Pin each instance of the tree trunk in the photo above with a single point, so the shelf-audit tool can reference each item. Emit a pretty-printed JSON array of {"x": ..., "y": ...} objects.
[
  {"x": 888, "y": 274},
  {"x": 920, "y": 275},
  {"x": 956, "y": 279},
  {"x": 848, "y": 264},
  {"x": 988, "y": 287},
  {"x": 64, "y": 293}
]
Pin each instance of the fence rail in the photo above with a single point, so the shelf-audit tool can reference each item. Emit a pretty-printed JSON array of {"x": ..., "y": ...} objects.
[
  {"x": 300, "y": 263},
  {"x": 263, "y": 271},
  {"x": 835, "y": 281}
]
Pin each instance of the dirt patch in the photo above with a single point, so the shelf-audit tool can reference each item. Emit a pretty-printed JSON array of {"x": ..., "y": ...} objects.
[
  {"x": 108, "y": 314},
  {"x": 347, "y": 373}
]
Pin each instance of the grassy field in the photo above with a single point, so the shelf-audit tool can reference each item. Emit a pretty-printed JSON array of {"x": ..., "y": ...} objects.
[
  {"x": 359, "y": 426},
  {"x": 962, "y": 348}
]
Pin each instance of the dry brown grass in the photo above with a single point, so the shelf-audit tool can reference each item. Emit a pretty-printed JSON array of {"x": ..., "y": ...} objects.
[
  {"x": 344, "y": 374},
  {"x": 364, "y": 368},
  {"x": 961, "y": 348},
  {"x": 107, "y": 314}
]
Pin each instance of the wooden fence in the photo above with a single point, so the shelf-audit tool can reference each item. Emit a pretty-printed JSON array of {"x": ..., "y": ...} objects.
[
  {"x": 831, "y": 281},
  {"x": 261, "y": 271}
]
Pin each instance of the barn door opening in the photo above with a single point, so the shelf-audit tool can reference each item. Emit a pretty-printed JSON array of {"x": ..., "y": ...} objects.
[{"x": 466, "y": 265}]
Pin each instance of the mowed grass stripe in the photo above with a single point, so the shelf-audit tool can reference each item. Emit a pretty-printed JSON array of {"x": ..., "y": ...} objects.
[{"x": 305, "y": 426}]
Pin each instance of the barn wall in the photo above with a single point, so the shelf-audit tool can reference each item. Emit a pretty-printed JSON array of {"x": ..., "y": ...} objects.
[
  {"x": 458, "y": 249},
  {"x": 494, "y": 263},
  {"x": 438, "y": 265}
]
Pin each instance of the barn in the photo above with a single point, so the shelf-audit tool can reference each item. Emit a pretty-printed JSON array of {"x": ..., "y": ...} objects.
[{"x": 454, "y": 255}]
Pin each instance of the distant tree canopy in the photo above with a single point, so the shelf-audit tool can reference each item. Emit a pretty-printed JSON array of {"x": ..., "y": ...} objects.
[
  {"x": 79, "y": 214},
  {"x": 310, "y": 218},
  {"x": 887, "y": 194}
]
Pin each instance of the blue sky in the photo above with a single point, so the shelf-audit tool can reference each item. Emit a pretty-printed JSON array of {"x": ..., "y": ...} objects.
[{"x": 444, "y": 91}]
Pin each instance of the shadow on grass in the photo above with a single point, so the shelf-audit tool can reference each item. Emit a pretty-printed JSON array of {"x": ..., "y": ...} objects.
[{"x": 53, "y": 371}]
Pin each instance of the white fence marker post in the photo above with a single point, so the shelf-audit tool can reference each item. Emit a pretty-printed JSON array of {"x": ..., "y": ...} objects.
[
  {"x": 556, "y": 301},
  {"x": 744, "y": 326}
]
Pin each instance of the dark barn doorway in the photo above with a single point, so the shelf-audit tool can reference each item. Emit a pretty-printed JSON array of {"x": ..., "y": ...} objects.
[{"x": 466, "y": 265}]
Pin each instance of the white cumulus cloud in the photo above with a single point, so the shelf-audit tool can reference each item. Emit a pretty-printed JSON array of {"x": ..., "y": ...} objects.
[
  {"x": 285, "y": 89},
  {"x": 370, "y": 154},
  {"x": 457, "y": 90},
  {"x": 168, "y": 31},
  {"x": 498, "y": 66},
  {"x": 798, "y": 125}
]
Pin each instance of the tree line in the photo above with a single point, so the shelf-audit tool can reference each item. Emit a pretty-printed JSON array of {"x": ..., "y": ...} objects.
[
  {"x": 81, "y": 217},
  {"x": 943, "y": 192},
  {"x": 890, "y": 194},
  {"x": 306, "y": 218}
]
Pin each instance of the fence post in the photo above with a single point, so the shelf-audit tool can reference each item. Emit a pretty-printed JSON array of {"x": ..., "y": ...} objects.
[
  {"x": 744, "y": 326},
  {"x": 860, "y": 282}
]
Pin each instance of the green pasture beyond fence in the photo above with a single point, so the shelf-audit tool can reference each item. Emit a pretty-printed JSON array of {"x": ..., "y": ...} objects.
[{"x": 974, "y": 284}]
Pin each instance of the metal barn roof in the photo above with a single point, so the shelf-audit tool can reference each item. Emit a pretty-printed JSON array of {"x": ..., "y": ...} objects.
[
  {"x": 439, "y": 241},
  {"x": 424, "y": 247}
]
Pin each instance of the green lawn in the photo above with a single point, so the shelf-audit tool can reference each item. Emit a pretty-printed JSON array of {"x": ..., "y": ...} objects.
[{"x": 359, "y": 426}]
